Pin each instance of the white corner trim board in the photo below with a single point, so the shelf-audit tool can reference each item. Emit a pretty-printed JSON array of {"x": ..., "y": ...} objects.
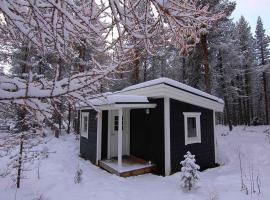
[
  {"x": 167, "y": 136},
  {"x": 197, "y": 138},
  {"x": 99, "y": 136},
  {"x": 109, "y": 134},
  {"x": 215, "y": 136},
  {"x": 84, "y": 130}
]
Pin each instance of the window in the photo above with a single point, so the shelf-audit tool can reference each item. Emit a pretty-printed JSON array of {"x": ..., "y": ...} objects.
[
  {"x": 116, "y": 123},
  {"x": 192, "y": 127},
  {"x": 84, "y": 124}
]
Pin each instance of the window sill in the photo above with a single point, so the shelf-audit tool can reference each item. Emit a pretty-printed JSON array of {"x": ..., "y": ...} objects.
[
  {"x": 192, "y": 141},
  {"x": 84, "y": 136}
]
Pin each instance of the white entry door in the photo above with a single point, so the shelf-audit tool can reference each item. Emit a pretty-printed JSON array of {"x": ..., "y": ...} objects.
[{"x": 114, "y": 133}]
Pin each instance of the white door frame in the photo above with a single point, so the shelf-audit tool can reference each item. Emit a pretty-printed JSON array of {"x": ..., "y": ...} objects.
[{"x": 125, "y": 132}]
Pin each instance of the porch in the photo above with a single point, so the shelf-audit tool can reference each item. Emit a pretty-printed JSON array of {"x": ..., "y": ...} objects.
[
  {"x": 131, "y": 166},
  {"x": 114, "y": 141}
]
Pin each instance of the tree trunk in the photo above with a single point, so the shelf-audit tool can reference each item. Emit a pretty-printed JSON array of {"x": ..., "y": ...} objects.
[
  {"x": 69, "y": 118},
  {"x": 18, "y": 181},
  {"x": 145, "y": 70},
  {"x": 224, "y": 89},
  {"x": 205, "y": 52},
  {"x": 184, "y": 70},
  {"x": 266, "y": 98},
  {"x": 82, "y": 50},
  {"x": 136, "y": 68},
  {"x": 248, "y": 98}
]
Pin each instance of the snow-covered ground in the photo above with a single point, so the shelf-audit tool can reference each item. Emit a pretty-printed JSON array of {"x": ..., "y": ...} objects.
[{"x": 222, "y": 183}]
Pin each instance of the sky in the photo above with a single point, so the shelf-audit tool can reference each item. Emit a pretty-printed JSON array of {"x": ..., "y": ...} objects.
[{"x": 251, "y": 9}]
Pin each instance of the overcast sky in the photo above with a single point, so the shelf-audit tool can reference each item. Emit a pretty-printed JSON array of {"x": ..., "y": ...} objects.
[{"x": 251, "y": 9}]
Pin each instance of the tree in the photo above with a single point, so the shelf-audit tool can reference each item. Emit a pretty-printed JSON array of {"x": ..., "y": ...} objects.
[
  {"x": 189, "y": 171},
  {"x": 263, "y": 55},
  {"x": 245, "y": 75},
  {"x": 62, "y": 29}
]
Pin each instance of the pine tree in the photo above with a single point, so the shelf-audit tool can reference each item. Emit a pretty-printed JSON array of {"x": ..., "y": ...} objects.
[
  {"x": 245, "y": 77},
  {"x": 189, "y": 171},
  {"x": 263, "y": 55},
  {"x": 262, "y": 43}
]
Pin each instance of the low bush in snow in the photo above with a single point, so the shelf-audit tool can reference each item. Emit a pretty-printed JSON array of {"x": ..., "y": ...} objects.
[
  {"x": 78, "y": 175},
  {"x": 189, "y": 171}
]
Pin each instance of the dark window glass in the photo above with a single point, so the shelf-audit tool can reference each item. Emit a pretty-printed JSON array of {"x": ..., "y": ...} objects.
[
  {"x": 85, "y": 122},
  {"x": 191, "y": 123},
  {"x": 116, "y": 123}
]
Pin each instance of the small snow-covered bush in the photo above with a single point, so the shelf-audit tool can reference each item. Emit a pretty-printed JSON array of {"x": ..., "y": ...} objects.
[
  {"x": 45, "y": 152},
  {"x": 189, "y": 171},
  {"x": 267, "y": 133},
  {"x": 78, "y": 175}
]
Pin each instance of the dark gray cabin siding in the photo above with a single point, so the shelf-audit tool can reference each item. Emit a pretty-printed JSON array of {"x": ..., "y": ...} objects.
[
  {"x": 204, "y": 151},
  {"x": 88, "y": 145},
  {"x": 147, "y": 134},
  {"x": 104, "y": 137},
  {"x": 77, "y": 126}
]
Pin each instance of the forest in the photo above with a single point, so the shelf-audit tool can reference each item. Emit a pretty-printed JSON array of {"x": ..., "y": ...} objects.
[
  {"x": 57, "y": 53},
  {"x": 50, "y": 60}
]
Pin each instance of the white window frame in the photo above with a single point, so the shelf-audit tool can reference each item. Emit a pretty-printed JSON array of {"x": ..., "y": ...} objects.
[
  {"x": 84, "y": 114},
  {"x": 197, "y": 116}
]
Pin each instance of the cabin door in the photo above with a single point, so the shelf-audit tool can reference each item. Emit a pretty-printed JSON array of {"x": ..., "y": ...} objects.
[{"x": 114, "y": 133}]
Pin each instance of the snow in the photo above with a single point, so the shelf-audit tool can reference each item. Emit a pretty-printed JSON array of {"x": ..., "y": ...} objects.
[
  {"x": 222, "y": 183},
  {"x": 175, "y": 84},
  {"x": 126, "y": 166},
  {"x": 116, "y": 98}
]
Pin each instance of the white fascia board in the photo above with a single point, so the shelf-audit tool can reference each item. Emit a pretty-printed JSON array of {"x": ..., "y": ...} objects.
[
  {"x": 163, "y": 90},
  {"x": 192, "y": 99},
  {"x": 118, "y": 106}
]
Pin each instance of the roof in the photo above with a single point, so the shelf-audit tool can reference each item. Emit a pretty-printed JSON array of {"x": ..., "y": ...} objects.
[
  {"x": 175, "y": 84},
  {"x": 107, "y": 101},
  {"x": 117, "y": 99},
  {"x": 162, "y": 87}
]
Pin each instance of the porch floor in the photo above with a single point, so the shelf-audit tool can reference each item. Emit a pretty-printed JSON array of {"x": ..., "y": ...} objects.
[{"x": 131, "y": 166}]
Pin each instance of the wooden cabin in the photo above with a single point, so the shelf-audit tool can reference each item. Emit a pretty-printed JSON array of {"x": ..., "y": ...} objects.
[{"x": 149, "y": 127}]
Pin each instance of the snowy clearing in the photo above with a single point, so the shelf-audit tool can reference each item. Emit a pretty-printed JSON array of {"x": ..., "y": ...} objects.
[{"x": 222, "y": 183}]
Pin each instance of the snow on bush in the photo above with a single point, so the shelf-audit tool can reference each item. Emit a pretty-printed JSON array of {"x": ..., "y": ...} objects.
[
  {"x": 189, "y": 171},
  {"x": 78, "y": 176},
  {"x": 267, "y": 133}
]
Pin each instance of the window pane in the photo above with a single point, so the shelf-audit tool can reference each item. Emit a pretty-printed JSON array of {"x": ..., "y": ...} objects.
[
  {"x": 85, "y": 124},
  {"x": 191, "y": 122},
  {"x": 116, "y": 123}
]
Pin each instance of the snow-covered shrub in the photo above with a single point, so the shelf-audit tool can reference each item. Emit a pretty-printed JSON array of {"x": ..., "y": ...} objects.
[
  {"x": 189, "y": 171},
  {"x": 213, "y": 195},
  {"x": 224, "y": 133},
  {"x": 78, "y": 175},
  {"x": 267, "y": 133},
  {"x": 45, "y": 152}
]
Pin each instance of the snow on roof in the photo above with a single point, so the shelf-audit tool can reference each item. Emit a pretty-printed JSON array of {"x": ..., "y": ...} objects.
[
  {"x": 115, "y": 98},
  {"x": 174, "y": 84}
]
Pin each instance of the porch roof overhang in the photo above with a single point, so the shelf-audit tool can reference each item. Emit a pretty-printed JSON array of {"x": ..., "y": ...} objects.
[
  {"x": 114, "y": 102},
  {"x": 117, "y": 106},
  {"x": 127, "y": 105}
]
